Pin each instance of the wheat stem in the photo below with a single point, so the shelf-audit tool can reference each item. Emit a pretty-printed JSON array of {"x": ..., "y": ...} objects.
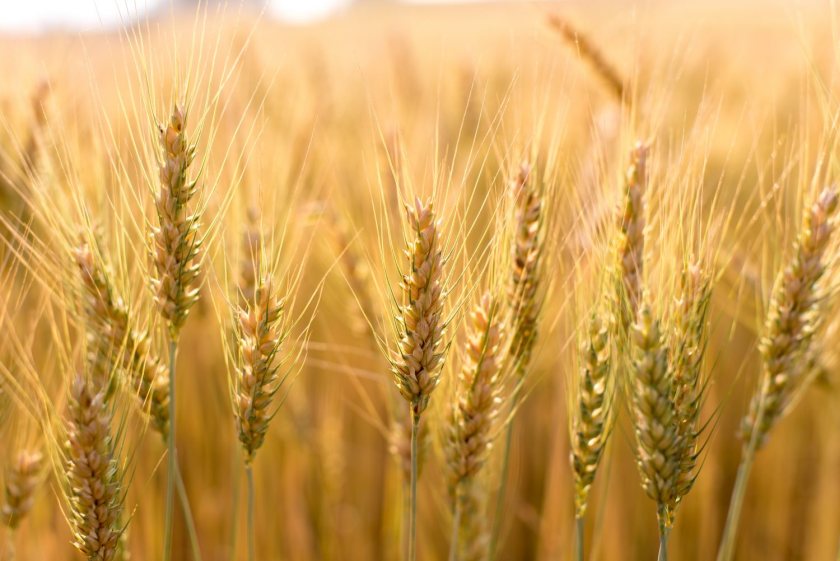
[
  {"x": 412, "y": 499},
  {"x": 503, "y": 479},
  {"x": 456, "y": 524},
  {"x": 736, "y": 503},
  {"x": 579, "y": 539},
  {"x": 249, "y": 472},
  {"x": 663, "y": 538},
  {"x": 172, "y": 465},
  {"x": 188, "y": 517},
  {"x": 235, "y": 507}
]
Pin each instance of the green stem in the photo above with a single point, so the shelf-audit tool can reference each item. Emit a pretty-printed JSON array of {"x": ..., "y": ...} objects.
[
  {"x": 172, "y": 464},
  {"x": 188, "y": 517},
  {"x": 736, "y": 503},
  {"x": 663, "y": 542},
  {"x": 496, "y": 530},
  {"x": 456, "y": 523},
  {"x": 579, "y": 539},
  {"x": 739, "y": 491},
  {"x": 236, "y": 458},
  {"x": 249, "y": 472},
  {"x": 412, "y": 500}
]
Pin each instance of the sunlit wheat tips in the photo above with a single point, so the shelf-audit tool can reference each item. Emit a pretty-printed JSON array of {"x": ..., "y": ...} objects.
[
  {"x": 419, "y": 353},
  {"x": 592, "y": 412},
  {"x": 175, "y": 241},
  {"x": 93, "y": 477},
  {"x": 23, "y": 477},
  {"x": 112, "y": 340},
  {"x": 473, "y": 424},
  {"x": 792, "y": 319},
  {"x": 259, "y": 337}
]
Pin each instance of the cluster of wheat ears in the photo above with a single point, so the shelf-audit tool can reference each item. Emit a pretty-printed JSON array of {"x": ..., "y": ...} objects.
[{"x": 458, "y": 330}]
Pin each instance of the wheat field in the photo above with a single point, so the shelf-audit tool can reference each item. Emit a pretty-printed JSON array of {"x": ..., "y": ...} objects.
[{"x": 504, "y": 280}]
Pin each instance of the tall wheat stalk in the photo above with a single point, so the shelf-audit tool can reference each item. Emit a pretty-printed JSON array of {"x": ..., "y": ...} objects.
[
  {"x": 524, "y": 303},
  {"x": 175, "y": 256},
  {"x": 416, "y": 361},
  {"x": 792, "y": 320}
]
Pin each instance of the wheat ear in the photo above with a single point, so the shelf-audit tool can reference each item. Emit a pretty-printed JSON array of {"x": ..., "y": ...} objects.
[
  {"x": 592, "y": 415},
  {"x": 111, "y": 338},
  {"x": 93, "y": 474},
  {"x": 631, "y": 238},
  {"x": 23, "y": 477},
  {"x": 524, "y": 304},
  {"x": 471, "y": 427}
]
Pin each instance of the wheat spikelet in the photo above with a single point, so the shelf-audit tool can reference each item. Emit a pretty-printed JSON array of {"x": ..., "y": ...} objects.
[
  {"x": 111, "y": 339},
  {"x": 526, "y": 254},
  {"x": 631, "y": 237},
  {"x": 592, "y": 416},
  {"x": 23, "y": 477},
  {"x": 472, "y": 421},
  {"x": 93, "y": 476},
  {"x": 656, "y": 422},
  {"x": 175, "y": 242},
  {"x": 419, "y": 353},
  {"x": 792, "y": 320},
  {"x": 259, "y": 338}
]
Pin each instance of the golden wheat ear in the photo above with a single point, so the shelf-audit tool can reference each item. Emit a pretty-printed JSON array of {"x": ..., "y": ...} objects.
[
  {"x": 792, "y": 320},
  {"x": 175, "y": 241},
  {"x": 93, "y": 475},
  {"x": 113, "y": 342},
  {"x": 473, "y": 424},
  {"x": 23, "y": 477}
]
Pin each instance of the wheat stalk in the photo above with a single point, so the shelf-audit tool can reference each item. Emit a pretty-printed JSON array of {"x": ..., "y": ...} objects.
[
  {"x": 259, "y": 339},
  {"x": 524, "y": 303},
  {"x": 175, "y": 258},
  {"x": 416, "y": 361},
  {"x": 792, "y": 320}
]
